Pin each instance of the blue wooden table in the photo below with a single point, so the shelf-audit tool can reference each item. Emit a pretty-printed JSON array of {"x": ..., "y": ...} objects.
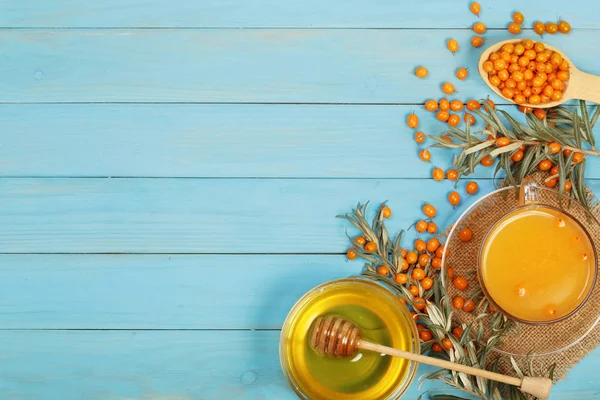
[{"x": 170, "y": 173}]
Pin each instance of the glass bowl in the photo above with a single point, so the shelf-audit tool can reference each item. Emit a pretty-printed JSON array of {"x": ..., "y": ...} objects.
[{"x": 381, "y": 317}]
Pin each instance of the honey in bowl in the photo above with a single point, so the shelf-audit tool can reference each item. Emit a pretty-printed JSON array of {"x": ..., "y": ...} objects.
[
  {"x": 537, "y": 264},
  {"x": 381, "y": 318}
]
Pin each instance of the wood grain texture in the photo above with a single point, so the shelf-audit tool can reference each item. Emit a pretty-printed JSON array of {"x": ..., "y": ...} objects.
[
  {"x": 158, "y": 291},
  {"x": 160, "y": 365},
  {"x": 293, "y": 13},
  {"x": 218, "y": 141},
  {"x": 339, "y": 66},
  {"x": 202, "y": 215}
]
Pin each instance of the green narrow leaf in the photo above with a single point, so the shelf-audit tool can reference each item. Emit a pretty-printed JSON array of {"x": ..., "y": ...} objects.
[
  {"x": 480, "y": 146},
  {"x": 511, "y": 147},
  {"x": 550, "y": 371},
  {"x": 576, "y": 132}
]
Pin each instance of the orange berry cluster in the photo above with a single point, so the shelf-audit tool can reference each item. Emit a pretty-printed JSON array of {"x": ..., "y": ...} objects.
[
  {"x": 551, "y": 28},
  {"x": 528, "y": 72},
  {"x": 553, "y": 172},
  {"x": 460, "y": 283}
]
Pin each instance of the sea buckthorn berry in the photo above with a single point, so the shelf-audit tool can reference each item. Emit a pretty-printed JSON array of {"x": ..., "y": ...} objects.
[
  {"x": 427, "y": 283},
  {"x": 473, "y": 105},
  {"x": 465, "y": 234},
  {"x": 462, "y": 73},
  {"x": 517, "y": 156},
  {"x": 472, "y": 187},
  {"x": 443, "y": 116},
  {"x": 452, "y": 45},
  {"x": 448, "y": 88},
  {"x": 429, "y": 210},
  {"x": 414, "y": 290},
  {"x": 444, "y": 104},
  {"x": 454, "y": 120},
  {"x": 432, "y": 245},
  {"x": 577, "y": 158},
  {"x": 488, "y": 66},
  {"x": 452, "y": 175},
  {"x": 424, "y": 260},
  {"x": 401, "y": 279},
  {"x": 425, "y": 335},
  {"x": 436, "y": 262},
  {"x": 421, "y": 72},
  {"x": 437, "y": 174},
  {"x": 425, "y": 155},
  {"x": 469, "y": 305},
  {"x": 539, "y": 28},
  {"x": 514, "y": 28},
  {"x": 479, "y": 27},
  {"x": 460, "y": 283},
  {"x": 528, "y": 43},
  {"x": 370, "y": 247},
  {"x": 518, "y": 17},
  {"x": 412, "y": 120},
  {"x": 351, "y": 254},
  {"x": 360, "y": 240},
  {"x": 564, "y": 27},
  {"x": 487, "y": 161},
  {"x": 551, "y": 28},
  {"x": 469, "y": 119},
  {"x": 475, "y": 8},
  {"x": 554, "y": 170},
  {"x": 458, "y": 332},
  {"x": 503, "y": 141},
  {"x": 456, "y": 105},
  {"x": 421, "y": 226},
  {"x": 525, "y": 110},
  {"x": 458, "y": 302},
  {"x": 411, "y": 257},
  {"x": 554, "y": 148},
  {"x": 383, "y": 270},
  {"x": 431, "y": 105},
  {"x": 432, "y": 227},
  {"x": 404, "y": 265},
  {"x": 418, "y": 274},
  {"x": 450, "y": 272},
  {"x": 419, "y": 303},
  {"x": 437, "y": 348},
  {"x": 420, "y": 137},
  {"x": 550, "y": 183},
  {"x": 420, "y": 245},
  {"x": 568, "y": 186},
  {"x": 454, "y": 198},
  {"x": 386, "y": 212},
  {"x": 545, "y": 165},
  {"x": 476, "y": 41},
  {"x": 447, "y": 343}
]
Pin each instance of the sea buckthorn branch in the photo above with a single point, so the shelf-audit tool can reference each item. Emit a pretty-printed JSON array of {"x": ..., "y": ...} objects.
[
  {"x": 556, "y": 141},
  {"x": 415, "y": 278}
]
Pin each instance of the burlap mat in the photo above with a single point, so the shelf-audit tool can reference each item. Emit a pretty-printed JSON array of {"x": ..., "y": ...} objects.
[{"x": 563, "y": 343}]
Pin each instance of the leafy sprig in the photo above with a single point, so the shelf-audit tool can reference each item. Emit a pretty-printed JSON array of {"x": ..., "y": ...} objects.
[{"x": 569, "y": 128}]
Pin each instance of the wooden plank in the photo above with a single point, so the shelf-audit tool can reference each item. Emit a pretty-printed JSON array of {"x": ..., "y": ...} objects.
[
  {"x": 201, "y": 215},
  {"x": 158, "y": 291},
  {"x": 272, "y": 13},
  {"x": 174, "y": 365},
  {"x": 208, "y": 140},
  {"x": 338, "y": 66}
]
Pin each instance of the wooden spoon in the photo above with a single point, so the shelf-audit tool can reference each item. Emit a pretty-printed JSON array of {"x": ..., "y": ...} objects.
[
  {"x": 580, "y": 85},
  {"x": 338, "y": 337}
]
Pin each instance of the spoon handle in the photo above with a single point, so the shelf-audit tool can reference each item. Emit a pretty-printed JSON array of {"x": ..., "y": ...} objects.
[
  {"x": 539, "y": 387},
  {"x": 585, "y": 86}
]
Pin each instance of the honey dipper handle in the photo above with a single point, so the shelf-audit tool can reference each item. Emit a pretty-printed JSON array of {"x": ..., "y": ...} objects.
[
  {"x": 539, "y": 387},
  {"x": 584, "y": 86}
]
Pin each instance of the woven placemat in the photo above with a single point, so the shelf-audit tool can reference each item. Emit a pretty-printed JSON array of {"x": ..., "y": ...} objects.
[{"x": 562, "y": 343}]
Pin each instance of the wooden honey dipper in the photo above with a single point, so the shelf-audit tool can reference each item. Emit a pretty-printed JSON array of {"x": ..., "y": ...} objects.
[{"x": 338, "y": 337}]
